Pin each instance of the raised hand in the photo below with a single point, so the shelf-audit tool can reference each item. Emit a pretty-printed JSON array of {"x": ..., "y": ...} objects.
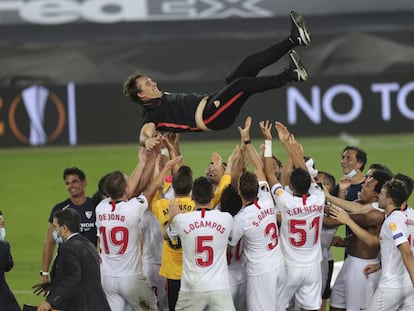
[
  {"x": 245, "y": 132},
  {"x": 266, "y": 127},
  {"x": 282, "y": 131}
]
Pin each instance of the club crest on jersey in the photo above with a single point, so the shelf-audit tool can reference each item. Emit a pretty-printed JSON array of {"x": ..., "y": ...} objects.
[
  {"x": 392, "y": 226},
  {"x": 88, "y": 214}
]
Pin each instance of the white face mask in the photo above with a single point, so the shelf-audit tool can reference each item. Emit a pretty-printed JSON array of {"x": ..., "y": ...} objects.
[
  {"x": 2, "y": 234},
  {"x": 351, "y": 174},
  {"x": 57, "y": 238}
]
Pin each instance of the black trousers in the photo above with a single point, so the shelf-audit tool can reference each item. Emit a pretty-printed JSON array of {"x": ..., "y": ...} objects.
[
  {"x": 173, "y": 287},
  {"x": 224, "y": 106}
]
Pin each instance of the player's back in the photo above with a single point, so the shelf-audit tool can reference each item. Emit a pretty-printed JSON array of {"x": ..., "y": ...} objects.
[
  {"x": 256, "y": 223},
  {"x": 204, "y": 237},
  {"x": 302, "y": 219},
  {"x": 119, "y": 234}
]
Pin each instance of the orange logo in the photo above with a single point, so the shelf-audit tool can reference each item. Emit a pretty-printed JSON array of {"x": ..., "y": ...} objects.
[{"x": 393, "y": 226}]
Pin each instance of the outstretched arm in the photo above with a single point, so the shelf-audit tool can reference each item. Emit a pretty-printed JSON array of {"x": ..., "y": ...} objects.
[
  {"x": 293, "y": 148},
  {"x": 251, "y": 151},
  {"x": 342, "y": 216},
  {"x": 266, "y": 127},
  {"x": 350, "y": 206},
  {"x": 157, "y": 181},
  {"x": 147, "y": 137},
  {"x": 134, "y": 178}
]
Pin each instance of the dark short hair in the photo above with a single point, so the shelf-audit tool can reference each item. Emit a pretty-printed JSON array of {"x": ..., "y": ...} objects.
[
  {"x": 68, "y": 217},
  {"x": 230, "y": 200},
  {"x": 328, "y": 179},
  {"x": 381, "y": 176},
  {"x": 408, "y": 181},
  {"x": 101, "y": 193},
  {"x": 361, "y": 155},
  {"x": 248, "y": 186},
  {"x": 300, "y": 180},
  {"x": 182, "y": 181},
  {"x": 74, "y": 171},
  {"x": 131, "y": 89},
  {"x": 396, "y": 191},
  {"x": 115, "y": 185},
  {"x": 202, "y": 190},
  {"x": 379, "y": 166}
]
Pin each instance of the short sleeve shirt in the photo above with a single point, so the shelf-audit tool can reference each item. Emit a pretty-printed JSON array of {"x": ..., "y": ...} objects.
[{"x": 87, "y": 217}]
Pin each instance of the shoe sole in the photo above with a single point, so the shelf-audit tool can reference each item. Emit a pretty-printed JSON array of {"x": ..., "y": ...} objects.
[
  {"x": 300, "y": 24},
  {"x": 300, "y": 69}
]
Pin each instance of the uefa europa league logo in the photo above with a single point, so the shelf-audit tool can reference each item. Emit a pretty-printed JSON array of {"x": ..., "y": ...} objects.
[{"x": 35, "y": 99}]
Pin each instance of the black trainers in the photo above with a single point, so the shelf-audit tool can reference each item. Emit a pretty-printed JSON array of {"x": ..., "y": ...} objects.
[
  {"x": 299, "y": 34},
  {"x": 296, "y": 69}
]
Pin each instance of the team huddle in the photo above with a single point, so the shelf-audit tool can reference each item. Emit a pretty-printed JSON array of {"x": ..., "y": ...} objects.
[
  {"x": 251, "y": 234},
  {"x": 237, "y": 239}
]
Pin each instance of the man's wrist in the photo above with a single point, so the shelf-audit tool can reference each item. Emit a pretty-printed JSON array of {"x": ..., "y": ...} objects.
[
  {"x": 44, "y": 273},
  {"x": 268, "y": 149}
]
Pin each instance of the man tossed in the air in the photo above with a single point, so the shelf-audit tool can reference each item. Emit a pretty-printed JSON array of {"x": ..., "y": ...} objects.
[{"x": 180, "y": 112}]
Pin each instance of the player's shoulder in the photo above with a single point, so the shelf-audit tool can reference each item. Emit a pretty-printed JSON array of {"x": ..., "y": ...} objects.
[
  {"x": 140, "y": 199},
  {"x": 62, "y": 205},
  {"x": 102, "y": 205}
]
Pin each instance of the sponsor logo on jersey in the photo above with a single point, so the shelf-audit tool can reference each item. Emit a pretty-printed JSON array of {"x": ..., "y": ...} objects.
[
  {"x": 88, "y": 214},
  {"x": 398, "y": 235}
]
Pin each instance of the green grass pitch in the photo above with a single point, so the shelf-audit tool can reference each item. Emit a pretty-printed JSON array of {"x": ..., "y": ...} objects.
[{"x": 32, "y": 183}]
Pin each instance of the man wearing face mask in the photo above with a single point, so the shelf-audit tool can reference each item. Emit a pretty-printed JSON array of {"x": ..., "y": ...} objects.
[
  {"x": 7, "y": 301},
  {"x": 352, "y": 162},
  {"x": 76, "y": 284}
]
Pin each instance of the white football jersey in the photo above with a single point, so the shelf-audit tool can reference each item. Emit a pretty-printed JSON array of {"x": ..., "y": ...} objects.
[
  {"x": 152, "y": 238},
  {"x": 236, "y": 264},
  {"x": 301, "y": 225},
  {"x": 396, "y": 229},
  {"x": 256, "y": 224},
  {"x": 119, "y": 235},
  {"x": 204, "y": 235},
  {"x": 326, "y": 237}
]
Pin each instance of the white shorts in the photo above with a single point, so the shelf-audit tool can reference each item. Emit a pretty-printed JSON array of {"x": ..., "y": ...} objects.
[
  {"x": 238, "y": 293},
  {"x": 304, "y": 283},
  {"x": 157, "y": 282},
  {"x": 217, "y": 300},
  {"x": 352, "y": 290},
  {"x": 261, "y": 290},
  {"x": 129, "y": 291},
  {"x": 390, "y": 299}
]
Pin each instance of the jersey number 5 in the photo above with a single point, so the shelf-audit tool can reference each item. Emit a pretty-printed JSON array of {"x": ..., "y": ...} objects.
[
  {"x": 117, "y": 236},
  {"x": 205, "y": 252}
]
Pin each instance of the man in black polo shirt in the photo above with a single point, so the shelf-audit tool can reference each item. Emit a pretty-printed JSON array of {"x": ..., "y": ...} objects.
[
  {"x": 75, "y": 183},
  {"x": 179, "y": 112}
]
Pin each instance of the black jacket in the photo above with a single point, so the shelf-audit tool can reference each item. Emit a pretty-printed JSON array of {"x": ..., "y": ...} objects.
[
  {"x": 7, "y": 300},
  {"x": 77, "y": 281}
]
